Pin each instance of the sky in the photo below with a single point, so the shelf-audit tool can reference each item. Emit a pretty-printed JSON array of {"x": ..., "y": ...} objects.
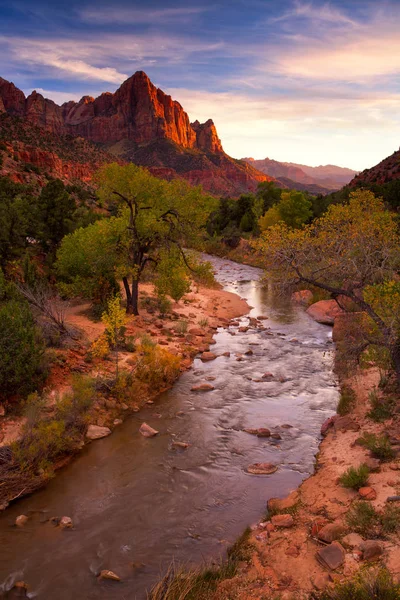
[{"x": 311, "y": 82}]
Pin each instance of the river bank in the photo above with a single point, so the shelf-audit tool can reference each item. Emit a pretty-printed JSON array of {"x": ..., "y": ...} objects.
[{"x": 184, "y": 332}]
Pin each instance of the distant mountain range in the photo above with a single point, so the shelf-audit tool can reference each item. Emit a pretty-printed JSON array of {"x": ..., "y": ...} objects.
[
  {"x": 138, "y": 123},
  {"x": 316, "y": 180}
]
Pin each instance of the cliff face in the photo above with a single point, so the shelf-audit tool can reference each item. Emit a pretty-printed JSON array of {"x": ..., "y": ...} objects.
[{"x": 135, "y": 123}]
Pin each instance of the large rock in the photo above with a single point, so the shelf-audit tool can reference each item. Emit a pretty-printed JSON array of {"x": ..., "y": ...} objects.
[
  {"x": 371, "y": 549},
  {"x": 147, "y": 431},
  {"x": 367, "y": 493},
  {"x": 95, "y": 432},
  {"x": 331, "y": 556},
  {"x": 202, "y": 387},
  {"x": 207, "y": 356},
  {"x": 331, "y": 532},
  {"x": 282, "y": 520},
  {"x": 262, "y": 469},
  {"x": 345, "y": 423},
  {"x": 324, "y": 311},
  {"x": 282, "y": 504},
  {"x": 353, "y": 540}
]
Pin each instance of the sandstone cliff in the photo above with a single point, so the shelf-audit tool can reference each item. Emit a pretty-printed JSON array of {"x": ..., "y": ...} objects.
[
  {"x": 140, "y": 123},
  {"x": 387, "y": 170}
]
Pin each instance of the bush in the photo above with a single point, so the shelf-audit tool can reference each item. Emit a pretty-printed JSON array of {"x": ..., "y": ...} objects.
[
  {"x": 181, "y": 327},
  {"x": 381, "y": 409},
  {"x": 363, "y": 518},
  {"x": 157, "y": 366},
  {"x": 72, "y": 408},
  {"x": 390, "y": 518},
  {"x": 355, "y": 478},
  {"x": 379, "y": 445},
  {"x": 346, "y": 401},
  {"x": 22, "y": 350},
  {"x": 368, "y": 585}
]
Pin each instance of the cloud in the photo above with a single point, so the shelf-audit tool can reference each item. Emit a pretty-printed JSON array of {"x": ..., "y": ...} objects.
[
  {"x": 313, "y": 12},
  {"x": 129, "y": 16}
]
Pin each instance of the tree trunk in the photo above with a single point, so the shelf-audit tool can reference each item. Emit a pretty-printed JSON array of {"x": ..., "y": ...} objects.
[
  {"x": 133, "y": 306},
  {"x": 395, "y": 355},
  {"x": 128, "y": 293}
]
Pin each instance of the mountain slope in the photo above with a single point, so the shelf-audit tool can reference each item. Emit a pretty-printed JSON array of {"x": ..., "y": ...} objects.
[
  {"x": 143, "y": 124},
  {"x": 387, "y": 170},
  {"x": 317, "y": 180}
]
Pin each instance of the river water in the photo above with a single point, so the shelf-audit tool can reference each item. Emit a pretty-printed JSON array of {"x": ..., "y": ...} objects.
[{"x": 137, "y": 503}]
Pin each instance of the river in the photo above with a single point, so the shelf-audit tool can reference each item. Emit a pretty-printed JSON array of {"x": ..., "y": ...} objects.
[{"x": 138, "y": 503}]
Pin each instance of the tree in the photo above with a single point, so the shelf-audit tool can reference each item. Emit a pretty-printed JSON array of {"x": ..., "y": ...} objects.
[
  {"x": 352, "y": 251},
  {"x": 55, "y": 209},
  {"x": 21, "y": 349},
  {"x": 155, "y": 218},
  {"x": 267, "y": 195},
  {"x": 293, "y": 209},
  {"x": 16, "y": 209},
  {"x": 158, "y": 215},
  {"x": 114, "y": 319}
]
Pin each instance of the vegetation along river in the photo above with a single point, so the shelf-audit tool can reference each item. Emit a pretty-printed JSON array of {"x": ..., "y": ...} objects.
[{"x": 139, "y": 503}]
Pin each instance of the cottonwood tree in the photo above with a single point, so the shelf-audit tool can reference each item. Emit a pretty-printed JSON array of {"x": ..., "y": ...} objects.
[
  {"x": 353, "y": 252},
  {"x": 155, "y": 218}
]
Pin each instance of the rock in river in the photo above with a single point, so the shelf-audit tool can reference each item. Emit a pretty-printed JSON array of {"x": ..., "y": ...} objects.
[
  {"x": 147, "y": 431},
  {"x": 21, "y": 520},
  {"x": 202, "y": 387},
  {"x": 106, "y": 574},
  {"x": 262, "y": 469},
  {"x": 207, "y": 356},
  {"x": 95, "y": 432}
]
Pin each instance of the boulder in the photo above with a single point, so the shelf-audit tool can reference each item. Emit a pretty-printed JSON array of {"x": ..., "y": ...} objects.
[
  {"x": 21, "y": 520},
  {"x": 281, "y": 504},
  {"x": 262, "y": 469},
  {"x": 371, "y": 549},
  {"x": 110, "y": 575},
  {"x": 202, "y": 387},
  {"x": 95, "y": 432},
  {"x": 352, "y": 540},
  {"x": 321, "y": 581},
  {"x": 282, "y": 520},
  {"x": 197, "y": 331},
  {"x": 207, "y": 356},
  {"x": 345, "y": 423},
  {"x": 328, "y": 424},
  {"x": 304, "y": 297},
  {"x": 324, "y": 311},
  {"x": 331, "y": 532},
  {"x": 147, "y": 431},
  {"x": 331, "y": 556},
  {"x": 65, "y": 523}
]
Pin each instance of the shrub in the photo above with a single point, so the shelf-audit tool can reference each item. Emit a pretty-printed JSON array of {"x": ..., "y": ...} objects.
[
  {"x": 157, "y": 366},
  {"x": 355, "y": 478},
  {"x": 379, "y": 445},
  {"x": 203, "y": 322},
  {"x": 181, "y": 327},
  {"x": 22, "y": 350},
  {"x": 390, "y": 518},
  {"x": 164, "y": 304},
  {"x": 381, "y": 409},
  {"x": 72, "y": 408},
  {"x": 363, "y": 518},
  {"x": 346, "y": 401},
  {"x": 368, "y": 585}
]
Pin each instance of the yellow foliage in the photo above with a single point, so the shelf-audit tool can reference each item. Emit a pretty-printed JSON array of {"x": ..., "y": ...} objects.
[
  {"x": 100, "y": 347},
  {"x": 157, "y": 366}
]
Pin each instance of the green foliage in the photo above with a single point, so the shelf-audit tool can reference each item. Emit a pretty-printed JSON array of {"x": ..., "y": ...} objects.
[
  {"x": 22, "y": 350},
  {"x": 16, "y": 223},
  {"x": 54, "y": 212},
  {"x": 73, "y": 407},
  {"x": 172, "y": 278},
  {"x": 381, "y": 408},
  {"x": 355, "y": 478},
  {"x": 181, "y": 327},
  {"x": 390, "y": 518},
  {"x": 293, "y": 209},
  {"x": 367, "y": 585},
  {"x": 363, "y": 518},
  {"x": 347, "y": 400},
  {"x": 378, "y": 445},
  {"x": 164, "y": 305}
]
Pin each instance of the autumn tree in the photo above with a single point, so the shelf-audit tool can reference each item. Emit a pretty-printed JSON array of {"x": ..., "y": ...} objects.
[
  {"x": 293, "y": 209},
  {"x": 353, "y": 252},
  {"x": 154, "y": 218}
]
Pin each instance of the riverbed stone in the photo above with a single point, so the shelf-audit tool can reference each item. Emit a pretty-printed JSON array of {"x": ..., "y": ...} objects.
[
  {"x": 202, "y": 387},
  {"x": 282, "y": 520},
  {"x": 197, "y": 331},
  {"x": 327, "y": 424},
  {"x": 182, "y": 445},
  {"x": 262, "y": 469},
  {"x": 324, "y": 311},
  {"x": 371, "y": 549},
  {"x": 282, "y": 504},
  {"x": 331, "y": 556},
  {"x": 147, "y": 431},
  {"x": 110, "y": 575},
  {"x": 21, "y": 520},
  {"x": 65, "y": 523},
  {"x": 95, "y": 432},
  {"x": 331, "y": 532},
  {"x": 207, "y": 356}
]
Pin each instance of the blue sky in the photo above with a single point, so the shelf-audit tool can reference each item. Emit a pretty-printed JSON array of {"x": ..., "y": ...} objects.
[{"x": 304, "y": 81}]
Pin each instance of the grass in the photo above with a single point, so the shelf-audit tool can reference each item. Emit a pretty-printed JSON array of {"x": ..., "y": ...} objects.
[
  {"x": 381, "y": 409},
  {"x": 181, "y": 327},
  {"x": 180, "y": 583},
  {"x": 363, "y": 518},
  {"x": 203, "y": 322},
  {"x": 355, "y": 478},
  {"x": 346, "y": 401},
  {"x": 368, "y": 585},
  {"x": 378, "y": 445}
]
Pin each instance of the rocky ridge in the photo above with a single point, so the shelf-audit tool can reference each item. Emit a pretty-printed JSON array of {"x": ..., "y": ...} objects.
[{"x": 142, "y": 124}]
